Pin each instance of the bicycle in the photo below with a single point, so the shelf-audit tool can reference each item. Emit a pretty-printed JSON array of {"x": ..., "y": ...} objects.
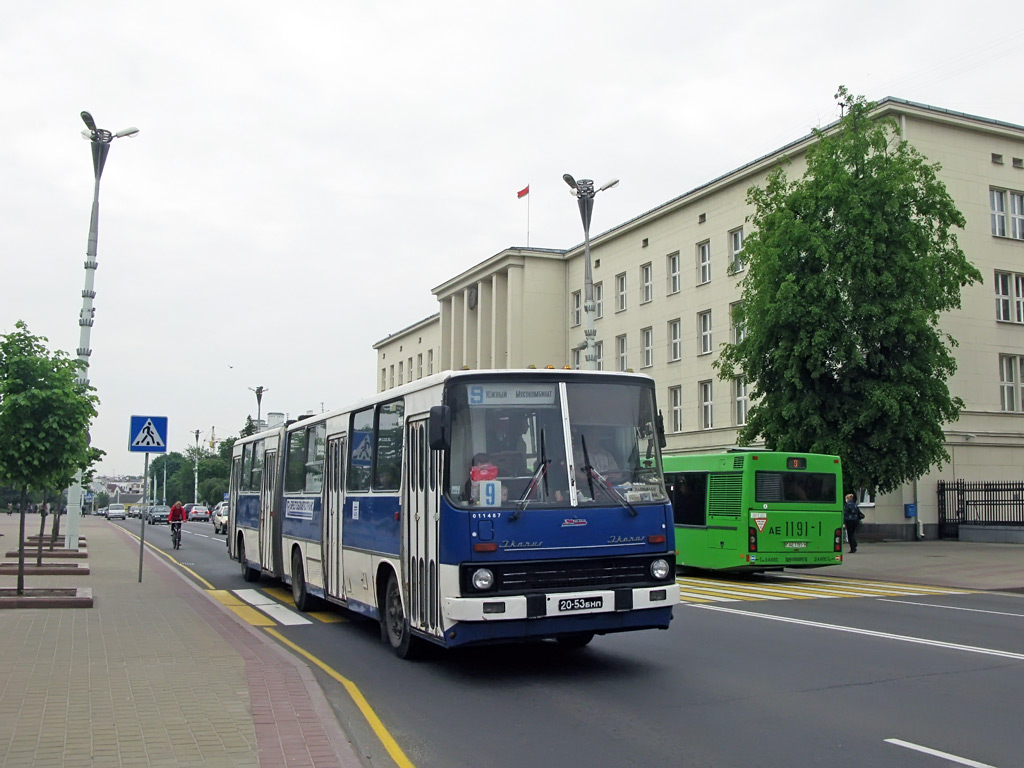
[{"x": 176, "y": 534}]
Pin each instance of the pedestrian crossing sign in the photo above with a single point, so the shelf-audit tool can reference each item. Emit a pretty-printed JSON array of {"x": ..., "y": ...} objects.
[{"x": 148, "y": 434}]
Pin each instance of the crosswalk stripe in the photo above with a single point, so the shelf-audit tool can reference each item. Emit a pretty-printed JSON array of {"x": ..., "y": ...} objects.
[
  {"x": 271, "y": 607},
  {"x": 793, "y": 587},
  {"x": 285, "y": 596}
]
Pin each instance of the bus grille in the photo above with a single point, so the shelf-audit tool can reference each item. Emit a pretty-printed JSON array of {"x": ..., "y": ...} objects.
[
  {"x": 725, "y": 494},
  {"x": 565, "y": 575}
]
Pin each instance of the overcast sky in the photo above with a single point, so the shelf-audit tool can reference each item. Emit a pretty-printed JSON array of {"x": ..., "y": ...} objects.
[{"x": 306, "y": 172}]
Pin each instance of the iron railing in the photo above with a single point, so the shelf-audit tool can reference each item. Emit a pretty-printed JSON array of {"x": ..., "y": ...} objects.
[{"x": 979, "y": 503}]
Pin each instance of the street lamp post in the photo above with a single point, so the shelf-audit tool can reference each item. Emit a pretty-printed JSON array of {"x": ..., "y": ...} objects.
[
  {"x": 100, "y": 143},
  {"x": 259, "y": 406},
  {"x": 584, "y": 192},
  {"x": 195, "y": 489}
]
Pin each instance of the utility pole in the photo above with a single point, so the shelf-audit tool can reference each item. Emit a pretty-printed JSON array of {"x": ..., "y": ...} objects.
[{"x": 195, "y": 490}]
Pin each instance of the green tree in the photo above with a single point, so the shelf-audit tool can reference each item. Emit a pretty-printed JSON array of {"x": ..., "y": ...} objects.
[
  {"x": 45, "y": 412},
  {"x": 848, "y": 271},
  {"x": 249, "y": 428}
]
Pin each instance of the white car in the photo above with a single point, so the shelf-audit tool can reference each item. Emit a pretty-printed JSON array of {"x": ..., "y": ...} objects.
[
  {"x": 220, "y": 517},
  {"x": 115, "y": 512},
  {"x": 198, "y": 512}
]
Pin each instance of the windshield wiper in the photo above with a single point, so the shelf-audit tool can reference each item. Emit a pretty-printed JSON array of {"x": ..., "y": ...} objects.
[
  {"x": 602, "y": 482},
  {"x": 540, "y": 473}
]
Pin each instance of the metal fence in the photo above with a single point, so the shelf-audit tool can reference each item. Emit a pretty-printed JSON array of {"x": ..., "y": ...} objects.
[{"x": 979, "y": 503}]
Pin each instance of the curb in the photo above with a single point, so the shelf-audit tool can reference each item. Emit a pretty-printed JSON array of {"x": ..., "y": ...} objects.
[
  {"x": 46, "y": 569},
  {"x": 47, "y": 598}
]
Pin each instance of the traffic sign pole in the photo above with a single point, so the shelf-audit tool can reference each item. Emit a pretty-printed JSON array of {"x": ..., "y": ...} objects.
[
  {"x": 147, "y": 434},
  {"x": 142, "y": 516}
]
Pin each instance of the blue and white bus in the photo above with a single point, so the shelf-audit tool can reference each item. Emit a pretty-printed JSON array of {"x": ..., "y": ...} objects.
[{"x": 468, "y": 507}]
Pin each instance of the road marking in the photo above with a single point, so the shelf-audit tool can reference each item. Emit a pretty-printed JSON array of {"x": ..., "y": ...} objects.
[
  {"x": 701, "y": 589},
  {"x": 869, "y": 632},
  {"x": 285, "y": 596},
  {"x": 937, "y": 753},
  {"x": 174, "y": 560},
  {"x": 954, "y": 608},
  {"x": 271, "y": 607},
  {"x": 360, "y": 701}
]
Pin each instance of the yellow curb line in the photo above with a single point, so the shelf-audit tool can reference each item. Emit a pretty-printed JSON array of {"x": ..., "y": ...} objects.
[
  {"x": 360, "y": 701},
  {"x": 183, "y": 567}
]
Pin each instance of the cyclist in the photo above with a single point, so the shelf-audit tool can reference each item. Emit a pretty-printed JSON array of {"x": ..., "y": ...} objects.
[{"x": 175, "y": 518}]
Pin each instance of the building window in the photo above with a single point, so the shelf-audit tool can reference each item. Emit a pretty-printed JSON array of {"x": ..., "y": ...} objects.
[
  {"x": 738, "y": 332},
  {"x": 742, "y": 401},
  {"x": 1017, "y": 215},
  {"x": 599, "y": 355},
  {"x": 736, "y": 245},
  {"x": 576, "y": 359},
  {"x": 704, "y": 397},
  {"x": 647, "y": 339},
  {"x": 392, "y": 376},
  {"x": 576, "y": 309},
  {"x": 675, "y": 402},
  {"x": 383, "y": 378},
  {"x": 419, "y": 366},
  {"x": 401, "y": 376},
  {"x": 704, "y": 262},
  {"x": 704, "y": 329},
  {"x": 598, "y": 300},
  {"x": 672, "y": 269},
  {"x": 430, "y": 362},
  {"x": 1010, "y": 369},
  {"x": 620, "y": 290},
  {"x": 1009, "y": 297},
  {"x": 620, "y": 351},
  {"x": 997, "y": 199},
  {"x": 410, "y": 370},
  {"x": 675, "y": 341},
  {"x": 646, "y": 284}
]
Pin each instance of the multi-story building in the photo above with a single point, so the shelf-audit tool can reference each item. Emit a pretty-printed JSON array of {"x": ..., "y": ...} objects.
[{"x": 663, "y": 291}]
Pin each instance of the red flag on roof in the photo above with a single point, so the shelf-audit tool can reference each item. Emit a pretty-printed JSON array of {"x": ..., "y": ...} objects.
[{"x": 523, "y": 192}]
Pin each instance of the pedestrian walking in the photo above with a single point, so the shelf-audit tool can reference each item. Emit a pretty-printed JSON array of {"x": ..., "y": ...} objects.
[{"x": 851, "y": 519}]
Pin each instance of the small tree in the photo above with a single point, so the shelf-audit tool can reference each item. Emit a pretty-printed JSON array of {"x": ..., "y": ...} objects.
[
  {"x": 45, "y": 413},
  {"x": 848, "y": 270}
]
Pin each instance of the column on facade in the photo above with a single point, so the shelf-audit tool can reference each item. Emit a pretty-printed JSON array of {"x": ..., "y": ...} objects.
[
  {"x": 444, "y": 361},
  {"x": 514, "y": 317},
  {"x": 469, "y": 332},
  {"x": 499, "y": 320},
  {"x": 484, "y": 321}
]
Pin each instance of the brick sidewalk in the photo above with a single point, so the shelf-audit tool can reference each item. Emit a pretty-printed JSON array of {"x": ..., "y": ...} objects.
[{"x": 155, "y": 674}]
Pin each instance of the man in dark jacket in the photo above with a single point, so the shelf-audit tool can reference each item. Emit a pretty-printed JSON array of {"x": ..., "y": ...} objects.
[{"x": 851, "y": 519}]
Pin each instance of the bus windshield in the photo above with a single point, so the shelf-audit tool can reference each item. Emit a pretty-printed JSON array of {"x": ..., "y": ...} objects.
[{"x": 520, "y": 444}]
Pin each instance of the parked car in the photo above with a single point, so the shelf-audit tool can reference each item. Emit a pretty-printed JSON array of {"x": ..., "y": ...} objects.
[
  {"x": 197, "y": 512},
  {"x": 157, "y": 515},
  {"x": 102, "y": 512},
  {"x": 115, "y": 512},
  {"x": 220, "y": 517}
]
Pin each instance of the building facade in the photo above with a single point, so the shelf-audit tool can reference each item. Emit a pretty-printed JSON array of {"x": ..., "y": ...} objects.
[{"x": 664, "y": 293}]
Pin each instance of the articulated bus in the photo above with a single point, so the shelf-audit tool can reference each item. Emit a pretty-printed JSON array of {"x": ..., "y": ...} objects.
[
  {"x": 756, "y": 510},
  {"x": 468, "y": 507}
]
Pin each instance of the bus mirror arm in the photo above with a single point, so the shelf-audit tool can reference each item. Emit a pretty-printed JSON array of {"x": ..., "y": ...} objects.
[
  {"x": 439, "y": 427},
  {"x": 662, "y": 442}
]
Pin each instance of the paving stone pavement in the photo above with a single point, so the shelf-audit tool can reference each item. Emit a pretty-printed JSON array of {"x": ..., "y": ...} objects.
[{"x": 154, "y": 674}]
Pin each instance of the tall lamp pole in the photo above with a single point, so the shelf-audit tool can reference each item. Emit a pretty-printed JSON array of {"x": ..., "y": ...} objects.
[
  {"x": 195, "y": 490},
  {"x": 584, "y": 192},
  {"x": 99, "y": 140},
  {"x": 259, "y": 406}
]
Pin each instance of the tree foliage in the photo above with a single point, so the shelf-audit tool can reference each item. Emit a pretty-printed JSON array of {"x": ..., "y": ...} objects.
[{"x": 848, "y": 271}]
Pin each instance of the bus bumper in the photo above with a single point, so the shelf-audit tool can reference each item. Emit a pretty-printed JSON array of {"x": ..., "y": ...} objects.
[{"x": 561, "y": 604}]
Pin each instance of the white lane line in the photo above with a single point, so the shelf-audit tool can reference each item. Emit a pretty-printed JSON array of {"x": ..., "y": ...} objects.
[
  {"x": 937, "y": 753},
  {"x": 868, "y": 632},
  {"x": 271, "y": 607},
  {"x": 954, "y": 608}
]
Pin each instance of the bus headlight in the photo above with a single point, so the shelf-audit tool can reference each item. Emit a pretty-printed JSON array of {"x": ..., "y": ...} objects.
[
  {"x": 483, "y": 579},
  {"x": 660, "y": 569}
]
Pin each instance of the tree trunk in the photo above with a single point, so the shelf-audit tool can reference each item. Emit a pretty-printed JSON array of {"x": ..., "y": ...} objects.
[
  {"x": 56, "y": 528},
  {"x": 42, "y": 531},
  {"x": 21, "y": 542}
]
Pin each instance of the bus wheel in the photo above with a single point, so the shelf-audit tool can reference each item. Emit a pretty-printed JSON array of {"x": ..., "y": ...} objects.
[
  {"x": 248, "y": 574},
  {"x": 303, "y": 601},
  {"x": 394, "y": 623},
  {"x": 575, "y": 641}
]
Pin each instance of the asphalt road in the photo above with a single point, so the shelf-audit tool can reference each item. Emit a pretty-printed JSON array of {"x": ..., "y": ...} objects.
[{"x": 889, "y": 680}]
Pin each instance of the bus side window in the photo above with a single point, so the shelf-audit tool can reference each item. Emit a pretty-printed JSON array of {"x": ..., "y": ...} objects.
[{"x": 689, "y": 498}]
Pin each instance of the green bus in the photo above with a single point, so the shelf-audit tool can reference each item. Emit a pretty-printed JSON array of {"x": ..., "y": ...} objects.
[{"x": 756, "y": 510}]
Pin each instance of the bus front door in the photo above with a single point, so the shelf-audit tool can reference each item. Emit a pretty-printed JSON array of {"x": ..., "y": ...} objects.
[
  {"x": 421, "y": 515},
  {"x": 267, "y": 498},
  {"x": 333, "y": 581}
]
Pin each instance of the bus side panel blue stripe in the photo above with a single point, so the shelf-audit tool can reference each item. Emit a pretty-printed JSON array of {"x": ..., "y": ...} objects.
[
  {"x": 371, "y": 523},
  {"x": 303, "y": 518},
  {"x": 247, "y": 510}
]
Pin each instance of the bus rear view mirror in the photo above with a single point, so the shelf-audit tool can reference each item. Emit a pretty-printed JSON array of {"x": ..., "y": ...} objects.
[{"x": 440, "y": 427}]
